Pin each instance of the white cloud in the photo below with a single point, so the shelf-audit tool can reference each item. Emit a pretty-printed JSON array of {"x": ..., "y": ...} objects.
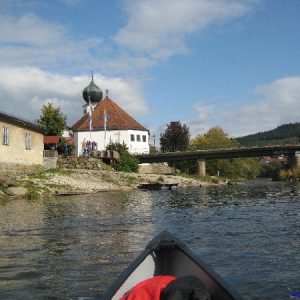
[
  {"x": 159, "y": 28},
  {"x": 276, "y": 103},
  {"x": 31, "y": 41},
  {"x": 200, "y": 123},
  {"x": 156, "y": 29},
  {"x": 29, "y": 30},
  {"x": 23, "y": 92}
]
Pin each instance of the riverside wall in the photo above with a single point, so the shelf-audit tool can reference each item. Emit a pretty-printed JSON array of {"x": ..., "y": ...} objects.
[
  {"x": 12, "y": 169},
  {"x": 88, "y": 163}
]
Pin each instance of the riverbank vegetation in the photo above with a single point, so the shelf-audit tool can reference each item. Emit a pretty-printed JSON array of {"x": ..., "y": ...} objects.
[
  {"x": 126, "y": 162},
  {"x": 215, "y": 138},
  {"x": 278, "y": 172},
  {"x": 235, "y": 168}
]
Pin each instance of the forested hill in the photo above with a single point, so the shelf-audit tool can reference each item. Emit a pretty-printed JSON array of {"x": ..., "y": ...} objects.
[{"x": 283, "y": 134}]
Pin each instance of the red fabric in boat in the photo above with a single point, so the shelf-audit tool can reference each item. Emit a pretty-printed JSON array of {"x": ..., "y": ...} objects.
[{"x": 149, "y": 289}]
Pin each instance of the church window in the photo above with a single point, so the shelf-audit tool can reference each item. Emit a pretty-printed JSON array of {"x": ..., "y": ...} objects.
[
  {"x": 138, "y": 138},
  {"x": 132, "y": 137},
  {"x": 27, "y": 140},
  {"x": 144, "y": 138},
  {"x": 5, "y": 135}
]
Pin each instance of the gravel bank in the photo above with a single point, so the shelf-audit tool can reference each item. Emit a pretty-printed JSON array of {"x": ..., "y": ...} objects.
[{"x": 90, "y": 181}]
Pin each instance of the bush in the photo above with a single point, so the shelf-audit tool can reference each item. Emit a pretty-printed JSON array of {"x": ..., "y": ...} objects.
[
  {"x": 64, "y": 148},
  {"x": 32, "y": 193},
  {"x": 271, "y": 169},
  {"x": 187, "y": 167},
  {"x": 127, "y": 163},
  {"x": 287, "y": 175},
  {"x": 234, "y": 168},
  {"x": 296, "y": 173},
  {"x": 121, "y": 148}
]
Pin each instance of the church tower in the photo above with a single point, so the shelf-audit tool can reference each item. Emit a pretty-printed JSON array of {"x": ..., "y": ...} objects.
[
  {"x": 91, "y": 94},
  {"x": 105, "y": 122}
]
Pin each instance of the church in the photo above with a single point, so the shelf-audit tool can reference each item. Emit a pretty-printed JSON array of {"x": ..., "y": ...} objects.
[{"x": 105, "y": 122}]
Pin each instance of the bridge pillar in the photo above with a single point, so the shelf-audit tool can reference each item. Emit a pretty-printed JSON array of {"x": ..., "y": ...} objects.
[
  {"x": 201, "y": 169},
  {"x": 294, "y": 161}
]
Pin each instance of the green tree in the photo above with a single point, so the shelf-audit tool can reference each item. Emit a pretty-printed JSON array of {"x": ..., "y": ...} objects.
[
  {"x": 176, "y": 137},
  {"x": 217, "y": 138},
  {"x": 52, "y": 120}
]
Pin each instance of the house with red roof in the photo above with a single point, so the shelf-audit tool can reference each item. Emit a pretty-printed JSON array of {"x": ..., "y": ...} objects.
[{"x": 105, "y": 122}]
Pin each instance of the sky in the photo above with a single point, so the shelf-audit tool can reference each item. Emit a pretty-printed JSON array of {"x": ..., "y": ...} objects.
[{"x": 205, "y": 63}]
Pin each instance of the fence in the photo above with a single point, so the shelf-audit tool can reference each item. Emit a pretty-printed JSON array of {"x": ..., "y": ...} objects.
[{"x": 50, "y": 153}]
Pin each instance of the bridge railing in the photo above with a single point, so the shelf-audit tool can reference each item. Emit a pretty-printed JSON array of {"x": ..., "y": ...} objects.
[
  {"x": 183, "y": 148},
  {"x": 173, "y": 148}
]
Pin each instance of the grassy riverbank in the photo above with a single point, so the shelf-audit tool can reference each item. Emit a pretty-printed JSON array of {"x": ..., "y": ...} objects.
[{"x": 58, "y": 181}]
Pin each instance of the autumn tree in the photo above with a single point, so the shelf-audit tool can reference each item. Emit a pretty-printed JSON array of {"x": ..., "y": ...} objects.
[
  {"x": 52, "y": 120},
  {"x": 215, "y": 138},
  {"x": 176, "y": 137},
  {"x": 200, "y": 142}
]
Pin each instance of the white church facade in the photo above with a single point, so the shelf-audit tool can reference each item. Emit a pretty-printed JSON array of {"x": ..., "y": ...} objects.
[{"x": 105, "y": 122}]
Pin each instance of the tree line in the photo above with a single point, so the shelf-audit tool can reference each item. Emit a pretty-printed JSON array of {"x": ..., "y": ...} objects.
[
  {"x": 177, "y": 137},
  {"x": 283, "y": 134}
]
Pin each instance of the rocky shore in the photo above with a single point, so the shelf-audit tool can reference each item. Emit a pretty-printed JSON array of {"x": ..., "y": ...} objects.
[{"x": 72, "y": 181}]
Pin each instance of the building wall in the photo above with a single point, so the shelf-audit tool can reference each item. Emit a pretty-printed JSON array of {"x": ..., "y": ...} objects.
[
  {"x": 119, "y": 136},
  {"x": 138, "y": 147},
  {"x": 15, "y": 152}
]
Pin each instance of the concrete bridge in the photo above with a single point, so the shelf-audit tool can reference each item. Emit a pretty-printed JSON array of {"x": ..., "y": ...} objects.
[{"x": 291, "y": 151}]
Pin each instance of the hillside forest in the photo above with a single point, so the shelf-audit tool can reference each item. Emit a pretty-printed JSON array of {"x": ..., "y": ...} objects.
[{"x": 177, "y": 137}]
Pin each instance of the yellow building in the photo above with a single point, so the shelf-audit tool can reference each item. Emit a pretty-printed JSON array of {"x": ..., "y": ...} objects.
[{"x": 21, "y": 148}]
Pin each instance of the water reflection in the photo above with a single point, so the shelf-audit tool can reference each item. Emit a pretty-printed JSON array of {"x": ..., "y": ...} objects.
[{"x": 71, "y": 247}]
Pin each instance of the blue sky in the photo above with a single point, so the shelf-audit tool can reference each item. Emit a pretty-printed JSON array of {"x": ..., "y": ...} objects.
[{"x": 206, "y": 63}]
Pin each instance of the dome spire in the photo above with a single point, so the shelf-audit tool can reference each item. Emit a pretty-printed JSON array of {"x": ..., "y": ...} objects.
[{"x": 92, "y": 92}]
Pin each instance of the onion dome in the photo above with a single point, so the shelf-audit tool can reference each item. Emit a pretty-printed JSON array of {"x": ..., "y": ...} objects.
[{"x": 93, "y": 92}]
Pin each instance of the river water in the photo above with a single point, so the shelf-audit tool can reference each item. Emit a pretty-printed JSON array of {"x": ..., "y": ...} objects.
[{"x": 74, "y": 247}]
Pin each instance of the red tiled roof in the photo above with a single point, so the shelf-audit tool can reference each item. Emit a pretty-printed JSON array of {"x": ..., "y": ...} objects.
[
  {"x": 118, "y": 118},
  {"x": 51, "y": 139}
]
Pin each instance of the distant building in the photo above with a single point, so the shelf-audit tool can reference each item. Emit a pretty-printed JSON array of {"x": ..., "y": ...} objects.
[
  {"x": 21, "y": 143},
  {"x": 274, "y": 159},
  {"x": 105, "y": 122}
]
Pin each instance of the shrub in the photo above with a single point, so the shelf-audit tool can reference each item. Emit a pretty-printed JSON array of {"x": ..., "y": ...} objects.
[
  {"x": 286, "y": 175},
  {"x": 271, "y": 169},
  {"x": 32, "y": 193},
  {"x": 121, "y": 148},
  {"x": 296, "y": 173},
  {"x": 233, "y": 168},
  {"x": 215, "y": 180},
  {"x": 127, "y": 163},
  {"x": 64, "y": 148}
]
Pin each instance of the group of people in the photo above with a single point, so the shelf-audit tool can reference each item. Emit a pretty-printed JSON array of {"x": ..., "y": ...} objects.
[{"x": 87, "y": 147}]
